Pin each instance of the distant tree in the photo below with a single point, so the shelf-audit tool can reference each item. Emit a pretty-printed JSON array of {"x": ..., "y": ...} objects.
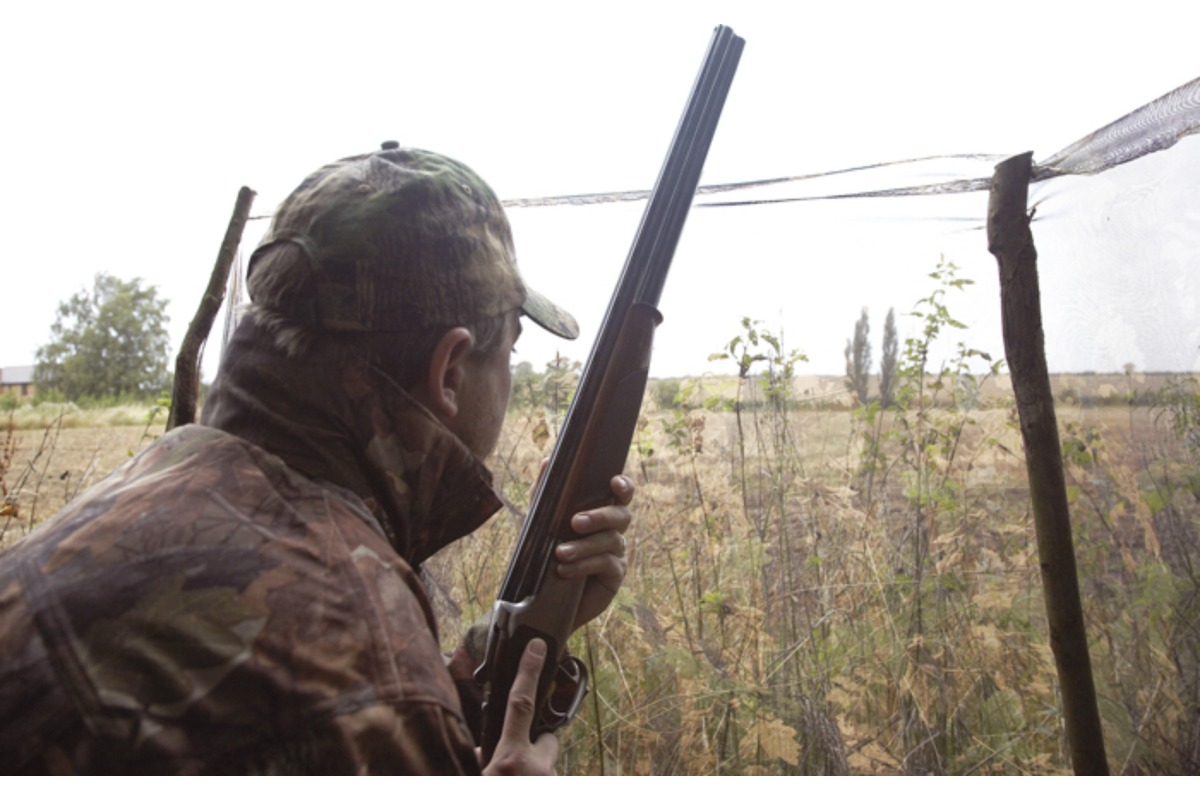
[
  {"x": 109, "y": 342},
  {"x": 548, "y": 391},
  {"x": 888, "y": 358},
  {"x": 562, "y": 376},
  {"x": 1131, "y": 395},
  {"x": 524, "y": 385},
  {"x": 522, "y": 370},
  {"x": 666, "y": 392},
  {"x": 858, "y": 359}
]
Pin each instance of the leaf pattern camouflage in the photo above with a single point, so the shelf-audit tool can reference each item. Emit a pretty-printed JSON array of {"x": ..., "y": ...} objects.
[
  {"x": 243, "y": 595},
  {"x": 396, "y": 240}
]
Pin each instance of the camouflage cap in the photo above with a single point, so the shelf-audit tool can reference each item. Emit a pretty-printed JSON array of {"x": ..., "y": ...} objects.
[{"x": 397, "y": 240}]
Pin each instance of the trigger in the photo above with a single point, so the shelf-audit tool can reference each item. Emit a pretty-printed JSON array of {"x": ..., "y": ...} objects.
[{"x": 567, "y": 692}]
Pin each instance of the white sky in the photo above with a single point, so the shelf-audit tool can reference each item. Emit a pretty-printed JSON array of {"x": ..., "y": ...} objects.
[{"x": 128, "y": 128}]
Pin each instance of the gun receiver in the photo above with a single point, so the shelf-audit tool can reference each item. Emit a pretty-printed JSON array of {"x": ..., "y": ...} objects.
[{"x": 533, "y": 601}]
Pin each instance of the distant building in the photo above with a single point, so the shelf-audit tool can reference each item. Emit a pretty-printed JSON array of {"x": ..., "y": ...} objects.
[{"x": 17, "y": 380}]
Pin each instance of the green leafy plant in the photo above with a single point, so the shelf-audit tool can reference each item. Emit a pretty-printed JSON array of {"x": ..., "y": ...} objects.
[{"x": 110, "y": 342}]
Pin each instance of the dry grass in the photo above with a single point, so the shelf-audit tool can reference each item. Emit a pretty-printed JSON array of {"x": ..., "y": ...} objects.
[
  {"x": 51, "y": 465},
  {"x": 68, "y": 415},
  {"x": 789, "y": 610},
  {"x": 777, "y": 621}
]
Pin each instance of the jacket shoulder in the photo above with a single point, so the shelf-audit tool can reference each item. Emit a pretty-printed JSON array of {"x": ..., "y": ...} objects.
[{"x": 206, "y": 605}]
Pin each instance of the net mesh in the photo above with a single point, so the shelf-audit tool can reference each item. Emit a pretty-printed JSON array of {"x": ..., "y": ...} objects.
[{"x": 1115, "y": 222}]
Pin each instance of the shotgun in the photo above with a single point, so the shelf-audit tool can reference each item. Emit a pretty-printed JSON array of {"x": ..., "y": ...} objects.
[{"x": 533, "y": 602}]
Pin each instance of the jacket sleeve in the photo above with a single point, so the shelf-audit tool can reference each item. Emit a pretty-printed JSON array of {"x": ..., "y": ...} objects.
[
  {"x": 404, "y": 713},
  {"x": 462, "y": 664},
  {"x": 386, "y": 739}
]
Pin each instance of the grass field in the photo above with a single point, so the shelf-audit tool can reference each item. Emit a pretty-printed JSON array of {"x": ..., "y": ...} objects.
[
  {"x": 814, "y": 592},
  {"x": 58, "y": 452},
  {"x": 817, "y": 589}
]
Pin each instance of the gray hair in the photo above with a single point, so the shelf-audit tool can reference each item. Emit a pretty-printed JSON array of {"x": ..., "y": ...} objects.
[{"x": 401, "y": 356}]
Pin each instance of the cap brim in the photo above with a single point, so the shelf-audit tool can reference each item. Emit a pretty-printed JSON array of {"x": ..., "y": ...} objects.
[{"x": 549, "y": 316}]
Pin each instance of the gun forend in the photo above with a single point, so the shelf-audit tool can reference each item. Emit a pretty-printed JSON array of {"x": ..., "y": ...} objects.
[{"x": 533, "y": 601}]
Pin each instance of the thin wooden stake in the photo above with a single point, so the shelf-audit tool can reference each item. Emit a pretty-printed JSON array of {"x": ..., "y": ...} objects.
[
  {"x": 1011, "y": 242},
  {"x": 187, "y": 365}
]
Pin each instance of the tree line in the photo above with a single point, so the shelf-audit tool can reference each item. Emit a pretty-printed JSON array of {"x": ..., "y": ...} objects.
[
  {"x": 858, "y": 360},
  {"x": 111, "y": 343}
]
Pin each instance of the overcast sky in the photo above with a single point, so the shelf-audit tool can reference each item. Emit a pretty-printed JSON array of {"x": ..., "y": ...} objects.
[{"x": 129, "y": 127}]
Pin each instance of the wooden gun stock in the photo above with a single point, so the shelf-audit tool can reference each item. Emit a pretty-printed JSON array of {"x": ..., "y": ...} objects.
[{"x": 533, "y": 601}]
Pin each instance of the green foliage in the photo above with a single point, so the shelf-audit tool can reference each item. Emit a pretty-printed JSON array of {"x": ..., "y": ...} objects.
[
  {"x": 929, "y": 406},
  {"x": 110, "y": 342},
  {"x": 935, "y": 312},
  {"x": 666, "y": 393},
  {"x": 1178, "y": 405},
  {"x": 742, "y": 349},
  {"x": 780, "y": 618},
  {"x": 684, "y": 429},
  {"x": 913, "y": 474},
  {"x": 930, "y": 436},
  {"x": 51, "y": 395},
  {"x": 1081, "y": 444},
  {"x": 761, "y": 482},
  {"x": 550, "y": 391},
  {"x": 858, "y": 359},
  {"x": 888, "y": 361},
  {"x": 758, "y": 345},
  {"x": 1134, "y": 522},
  {"x": 158, "y": 413}
]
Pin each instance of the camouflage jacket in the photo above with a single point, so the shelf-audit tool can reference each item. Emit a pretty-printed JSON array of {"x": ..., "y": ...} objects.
[{"x": 242, "y": 598}]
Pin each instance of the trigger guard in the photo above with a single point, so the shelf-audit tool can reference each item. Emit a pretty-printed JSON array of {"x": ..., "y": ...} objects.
[{"x": 567, "y": 692}]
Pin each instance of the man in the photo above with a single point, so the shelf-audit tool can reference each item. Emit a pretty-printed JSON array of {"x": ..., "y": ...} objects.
[{"x": 244, "y": 595}]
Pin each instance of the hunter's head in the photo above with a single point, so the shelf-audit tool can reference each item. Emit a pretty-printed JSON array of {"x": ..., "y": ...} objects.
[{"x": 408, "y": 256}]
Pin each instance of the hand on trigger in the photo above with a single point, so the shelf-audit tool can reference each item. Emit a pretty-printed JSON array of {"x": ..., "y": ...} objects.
[{"x": 515, "y": 753}]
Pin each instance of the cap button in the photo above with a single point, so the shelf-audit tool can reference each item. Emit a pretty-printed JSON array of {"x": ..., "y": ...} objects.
[{"x": 390, "y": 145}]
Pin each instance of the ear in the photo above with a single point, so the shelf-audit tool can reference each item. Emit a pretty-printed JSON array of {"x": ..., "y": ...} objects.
[{"x": 439, "y": 389}]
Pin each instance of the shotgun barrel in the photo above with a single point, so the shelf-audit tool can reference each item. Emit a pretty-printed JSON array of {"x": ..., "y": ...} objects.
[{"x": 533, "y": 602}]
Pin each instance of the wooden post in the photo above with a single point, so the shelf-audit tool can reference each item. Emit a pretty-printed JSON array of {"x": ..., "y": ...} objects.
[
  {"x": 1011, "y": 242},
  {"x": 187, "y": 365}
]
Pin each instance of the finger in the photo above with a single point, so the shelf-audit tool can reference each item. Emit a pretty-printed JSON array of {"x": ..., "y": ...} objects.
[
  {"x": 609, "y": 518},
  {"x": 622, "y": 489},
  {"x": 607, "y": 570},
  {"x": 606, "y": 543},
  {"x": 601, "y": 555},
  {"x": 522, "y": 697}
]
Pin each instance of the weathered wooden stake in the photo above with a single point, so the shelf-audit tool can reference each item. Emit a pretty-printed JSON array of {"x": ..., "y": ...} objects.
[
  {"x": 187, "y": 364},
  {"x": 1010, "y": 240}
]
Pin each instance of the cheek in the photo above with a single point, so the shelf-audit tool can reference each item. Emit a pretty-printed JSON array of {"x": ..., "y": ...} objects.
[
  {"x": 497, "y": 402},
  {"x": 500, "y": 380},
  {"x": 506, "y": 390}
]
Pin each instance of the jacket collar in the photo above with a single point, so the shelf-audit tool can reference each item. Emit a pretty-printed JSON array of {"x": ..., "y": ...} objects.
[{"x": 340, "y": 420}]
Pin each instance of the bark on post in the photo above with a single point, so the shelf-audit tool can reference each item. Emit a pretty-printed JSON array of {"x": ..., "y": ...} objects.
[
  {"x": 187, "y": 364},
  {"x": 1011, "y": 242}
]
